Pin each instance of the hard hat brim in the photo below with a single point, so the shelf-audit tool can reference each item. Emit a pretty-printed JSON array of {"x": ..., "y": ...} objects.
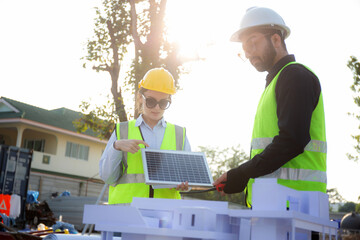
[
  {"x": 170, "y": 92},
  {"x": 236, "y": 36}
]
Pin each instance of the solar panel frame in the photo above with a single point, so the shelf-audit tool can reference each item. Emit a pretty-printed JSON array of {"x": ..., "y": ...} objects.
[{"x": 170, "y": 165}]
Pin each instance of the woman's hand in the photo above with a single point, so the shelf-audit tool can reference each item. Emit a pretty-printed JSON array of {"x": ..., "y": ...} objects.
[
  {"x": 183, "y": 187},
  {"x": 129, "y": 145}
]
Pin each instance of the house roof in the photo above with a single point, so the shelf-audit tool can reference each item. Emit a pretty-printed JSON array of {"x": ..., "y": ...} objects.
[{"x": 62, "y": 117}]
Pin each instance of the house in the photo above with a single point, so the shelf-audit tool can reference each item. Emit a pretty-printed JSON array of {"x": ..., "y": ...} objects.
[{"x": 63, "y": 159}]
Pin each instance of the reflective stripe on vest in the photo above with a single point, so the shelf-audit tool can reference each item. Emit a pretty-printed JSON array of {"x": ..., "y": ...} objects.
[
  {"x": 122, "y": 133},
  {"x": 131, "y": 178},
  {"x": 305, "y": 172},
  {"x": 180, "y": 139},
  {"x": 298, "y": 174},
  {"x": 292, "y": 173},
  {"x": 312, "y": 146}
]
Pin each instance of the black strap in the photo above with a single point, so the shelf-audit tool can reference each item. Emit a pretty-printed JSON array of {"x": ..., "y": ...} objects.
[
  {"x": 199, "y": 191},
  {"x": 142, "y": 136},
  {"x": 151, "y": 190},
  {"x": 246, "y": 188}
]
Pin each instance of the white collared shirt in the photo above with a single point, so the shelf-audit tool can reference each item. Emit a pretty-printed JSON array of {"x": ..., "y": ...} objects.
[{"x": 109, "y": 165}]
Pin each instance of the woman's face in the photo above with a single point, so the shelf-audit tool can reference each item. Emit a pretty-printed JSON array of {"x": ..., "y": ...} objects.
[{"x": 152, "y": 114}]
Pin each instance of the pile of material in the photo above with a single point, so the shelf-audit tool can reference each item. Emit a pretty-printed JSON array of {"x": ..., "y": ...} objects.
[
  {"x": 350, "y": 226},
  {"x": 8, "y": 233},
  {"x": 37, "y": 213}
]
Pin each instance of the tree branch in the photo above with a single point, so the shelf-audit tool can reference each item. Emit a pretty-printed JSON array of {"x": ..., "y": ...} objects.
[
  {"x": 102, "y": 67},
  {"x": 134, "y": 31},
  {"x": 114, "y": 73}
]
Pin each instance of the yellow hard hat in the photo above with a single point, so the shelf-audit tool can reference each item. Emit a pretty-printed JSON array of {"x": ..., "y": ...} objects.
[{"x": 160, "y": 80}]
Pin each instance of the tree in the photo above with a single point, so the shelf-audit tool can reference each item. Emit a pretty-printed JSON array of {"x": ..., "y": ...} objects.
[
  {"x": 220, "y": 161},
  {"x": 119, "y": 23},
  {"x": 151, "y": 46},
  {"x": 105, "y": 50},
  {"x": 100, "y": 120},
  {"x": 354, "y": 66},
  {"x": 347, "y": 207},
  {"x": 334, "y": 196},
  {"x": 357, "y": 208},
  {"x": 109, "y": 44}
]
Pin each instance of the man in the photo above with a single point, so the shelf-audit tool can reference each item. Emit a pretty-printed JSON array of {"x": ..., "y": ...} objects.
[{"x": 288, "y": 140}]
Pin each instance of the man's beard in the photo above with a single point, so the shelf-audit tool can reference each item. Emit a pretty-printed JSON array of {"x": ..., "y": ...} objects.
[{"x": 267, "y": 62}]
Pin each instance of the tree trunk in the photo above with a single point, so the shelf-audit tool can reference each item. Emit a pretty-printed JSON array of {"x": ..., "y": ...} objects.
[
  {"x": 114, "y": 71},
  {"x": 147, "y": 55}
]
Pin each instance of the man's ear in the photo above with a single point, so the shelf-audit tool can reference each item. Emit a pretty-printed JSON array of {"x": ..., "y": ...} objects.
[{"x": 276, "y": 40}]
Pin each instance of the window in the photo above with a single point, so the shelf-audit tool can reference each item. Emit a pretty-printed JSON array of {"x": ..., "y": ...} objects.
[
  {"x": 37, "y": 145},
  {"x": 2, "y": 139},
  {"x": 46, "y": 159},
  {"x": 78, "y": 151}
]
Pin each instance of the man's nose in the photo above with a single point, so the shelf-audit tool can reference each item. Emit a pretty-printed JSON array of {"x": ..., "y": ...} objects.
[{"x": 248, "y": 54}]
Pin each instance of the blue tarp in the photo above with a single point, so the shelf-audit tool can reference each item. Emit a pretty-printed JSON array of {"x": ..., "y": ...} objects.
[
  {"x": 32, "y": 196},
  {"x": 63, "y": 225},
  {"x": 65, "y": 193}
]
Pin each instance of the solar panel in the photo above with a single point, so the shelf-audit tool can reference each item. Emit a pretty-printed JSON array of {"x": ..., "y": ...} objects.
[{"x": 167, "y": 167}]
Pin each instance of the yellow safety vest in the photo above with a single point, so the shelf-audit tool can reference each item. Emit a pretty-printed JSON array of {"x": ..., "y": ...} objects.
[
  {"x": 307, "y": 171},
  {"x": 132, "y": 182}
]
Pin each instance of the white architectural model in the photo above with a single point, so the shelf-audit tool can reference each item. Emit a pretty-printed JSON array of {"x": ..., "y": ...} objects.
[{"x": 278, "y": 213}]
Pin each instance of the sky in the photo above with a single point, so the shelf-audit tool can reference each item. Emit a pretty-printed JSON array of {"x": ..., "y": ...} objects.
[{"x": 43, "y": 41}]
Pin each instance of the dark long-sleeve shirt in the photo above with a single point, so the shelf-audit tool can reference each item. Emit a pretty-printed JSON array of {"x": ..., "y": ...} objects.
[{"x": 297, "y": 94}]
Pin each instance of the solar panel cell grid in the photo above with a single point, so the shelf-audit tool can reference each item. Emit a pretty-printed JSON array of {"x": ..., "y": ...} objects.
[{"x": 164, "y": 167}]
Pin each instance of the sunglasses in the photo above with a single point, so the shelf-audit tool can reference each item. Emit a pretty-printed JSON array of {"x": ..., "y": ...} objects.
[{"x": 152, "y": 102}]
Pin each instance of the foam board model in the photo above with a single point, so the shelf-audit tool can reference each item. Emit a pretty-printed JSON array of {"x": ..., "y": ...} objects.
[{"x": 278, "y": 213}]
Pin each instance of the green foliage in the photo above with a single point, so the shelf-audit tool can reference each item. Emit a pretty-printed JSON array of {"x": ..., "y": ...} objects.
[
  {"x": 220, "y": 161},
  {"x": 354, "y": 66},
  {"x": 347, "y": 207},
  {"x": 106, "y": 50},
  {"x": 152, "y": 49},
  {"x": 357, "y": 208},
  {"x": 100, "y": 119},
  {"x": 113, "y": 17},
  {"x": 117, "y": 24},
  {"x": 334, "y": 196}
]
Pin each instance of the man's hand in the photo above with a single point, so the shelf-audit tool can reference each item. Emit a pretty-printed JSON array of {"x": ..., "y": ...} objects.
[
  {"x": 222, "y": 178},
  {"x": 129, "y": 145}
]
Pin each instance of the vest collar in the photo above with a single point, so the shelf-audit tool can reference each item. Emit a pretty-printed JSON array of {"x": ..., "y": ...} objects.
[
  {"x": 278, "y": 66},
  {"x": 140, "y": 121}
]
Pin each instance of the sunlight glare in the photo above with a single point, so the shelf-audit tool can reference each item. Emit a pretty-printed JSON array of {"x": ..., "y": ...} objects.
[{"x": 189, "y": 28}]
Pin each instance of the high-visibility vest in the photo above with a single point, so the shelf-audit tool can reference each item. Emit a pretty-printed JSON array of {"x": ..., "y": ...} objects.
[
  {"x": 305, "y": 172},
  {"x": 132, "y": 182}
]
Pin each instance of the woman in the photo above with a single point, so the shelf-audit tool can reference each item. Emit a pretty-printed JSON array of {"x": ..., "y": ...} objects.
[{"x": 121, "y": 163}]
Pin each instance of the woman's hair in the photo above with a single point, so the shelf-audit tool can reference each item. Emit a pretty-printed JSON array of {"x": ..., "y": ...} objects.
[{"x": 138, "y": 107}]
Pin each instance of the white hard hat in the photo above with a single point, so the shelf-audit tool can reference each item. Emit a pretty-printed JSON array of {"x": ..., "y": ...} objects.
[{"x": 260, "y": 17}]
